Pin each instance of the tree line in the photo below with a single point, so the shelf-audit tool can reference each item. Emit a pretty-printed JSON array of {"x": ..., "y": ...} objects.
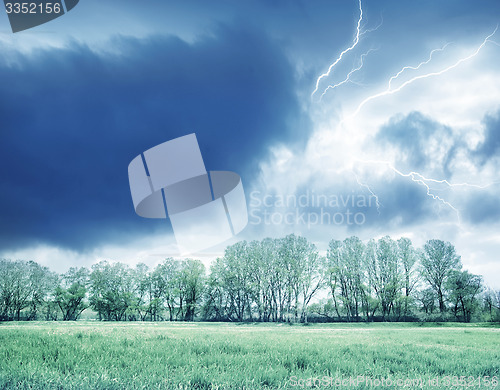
[{"x": 272, "y": 280}]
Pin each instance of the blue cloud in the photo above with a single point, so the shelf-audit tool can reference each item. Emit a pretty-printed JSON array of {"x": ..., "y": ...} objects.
[
  {"x": 482, "y": 208},
  {"x": 411, "y": 135},
  {"x": 491, "y": 144},
  {"x": 73, "y": 119}
]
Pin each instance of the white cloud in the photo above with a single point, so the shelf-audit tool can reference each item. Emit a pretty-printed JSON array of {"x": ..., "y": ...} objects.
[{"x": 149, "y": 250}]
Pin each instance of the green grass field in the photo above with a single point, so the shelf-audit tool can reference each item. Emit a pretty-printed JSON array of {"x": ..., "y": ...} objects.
[{"x": 92, "y": 355}]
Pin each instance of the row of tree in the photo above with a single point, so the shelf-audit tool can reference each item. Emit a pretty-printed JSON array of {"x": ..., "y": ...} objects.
[
  {"x": 392, "y": 279},
  {"x": 270, "y": 280}
]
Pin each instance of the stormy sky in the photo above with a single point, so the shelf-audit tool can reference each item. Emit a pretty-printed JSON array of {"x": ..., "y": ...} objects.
[{"x": 402, "y": 132}]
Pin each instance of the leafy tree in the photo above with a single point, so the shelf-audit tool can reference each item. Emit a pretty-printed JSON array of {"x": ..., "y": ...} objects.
[
  {"x": 216, "y": 298},
  {"x": 70, "y": 294},
  {"x": 301, "y": 262},
  {"x": 111, "y": 290},
  {"x": 259, "y": 264},
  {"x": 17, "y": 289},
  {"x": 488, "y": 302},
  {"x": 192, "y": 279},
  {"x": 427, "y": 299},
  {"x": 496, "y": 302},
  {"x": 41, "y": 282},
  {"x": 312, "y": 279},
  {"x": 237, "y": 281},
  {"x": 438, "y": 260},
  {"x": 464, "y": 288},
  {"x": 345, "y": 263},
  {"x": 166, "y": 287},
  {"x": 13, "y": 297},
  {"x": 23, "y": 284},
  {"x": 277, "y": 280},
  {"x": 408, "y": 258},
  {"x": 143, "y": 291},
  {"x": 383, "y": 273}
]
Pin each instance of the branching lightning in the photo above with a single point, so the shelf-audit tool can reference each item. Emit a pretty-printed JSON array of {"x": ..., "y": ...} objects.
[
  {"x": 415, "y": 67},
  {"x": 424, "y": 181},
  {"x": 348, "y": 77},
  {"x": 377, "y": 201},
  {"x": 363, "y": 32},
  {"x": 339, "y": 58},
  {"x": 390, "y": 90},
  {"x": 359, "y": 32}
]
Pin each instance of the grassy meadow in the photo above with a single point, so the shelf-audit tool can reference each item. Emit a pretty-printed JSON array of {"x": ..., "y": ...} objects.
[{"x": 99, "y": 355}]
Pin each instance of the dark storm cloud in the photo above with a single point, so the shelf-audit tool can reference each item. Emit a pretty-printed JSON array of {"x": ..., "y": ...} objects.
[
  {"x": 482, "y": 208},
  {"x": 491, "y": 144},
  {"x": 402, "y": 202},
  {"x": 72, "y": 120},
  {"x": 413, "y": 134},
  {"x": 416, "y": 137}
]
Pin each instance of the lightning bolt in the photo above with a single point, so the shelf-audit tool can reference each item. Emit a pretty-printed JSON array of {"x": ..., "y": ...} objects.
[
  {"x": 419, "y": 179},
  {"x": 348, "y": 77},
  {"x": 422, "y": 180},
  {"x": 372, "y": 29},
  {"x": 377, "y": 202},
  {"x": 390, "y": 90},
  {"x": 339, "y": 58},
  {"x": 415, "y": 67}
]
